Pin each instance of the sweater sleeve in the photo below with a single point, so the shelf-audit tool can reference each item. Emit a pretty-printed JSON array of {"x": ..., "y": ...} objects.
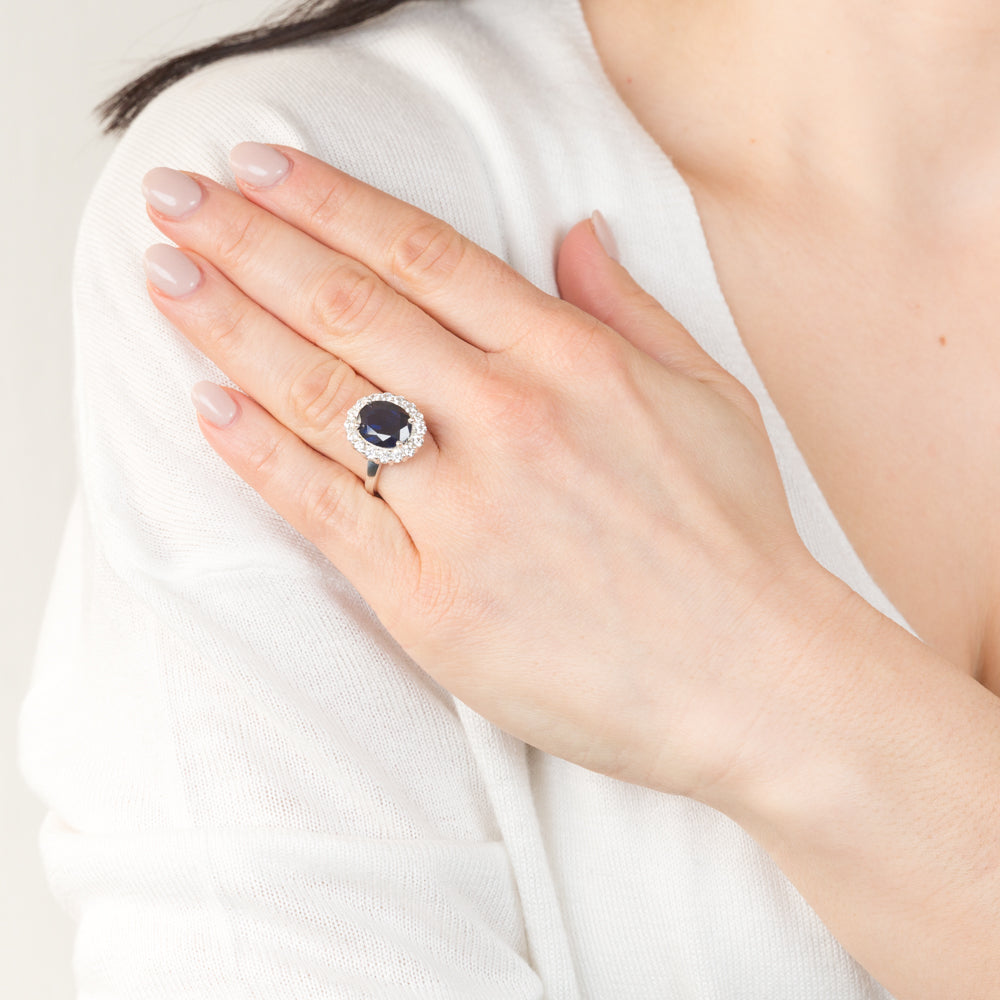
[{"x": 252, "y": 792}]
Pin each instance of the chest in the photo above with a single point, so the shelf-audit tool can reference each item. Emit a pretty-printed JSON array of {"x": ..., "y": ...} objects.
[{"x": 883, "y": 357}]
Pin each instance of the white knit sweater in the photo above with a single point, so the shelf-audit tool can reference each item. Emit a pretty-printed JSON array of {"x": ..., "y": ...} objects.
[{"x": 253, "y": 792}]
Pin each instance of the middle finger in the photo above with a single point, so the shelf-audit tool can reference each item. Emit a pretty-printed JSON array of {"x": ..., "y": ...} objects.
[
  {"x": 330, "y": 299},
  {"x": 306, "y": 388}
]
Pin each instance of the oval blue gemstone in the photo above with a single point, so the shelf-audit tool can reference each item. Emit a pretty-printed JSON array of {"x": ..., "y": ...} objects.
[{"x": 384, "y": 424}]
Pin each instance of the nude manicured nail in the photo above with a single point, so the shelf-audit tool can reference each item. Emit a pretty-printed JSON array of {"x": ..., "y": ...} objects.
[
  {"x": 171, "y": 270},
  {"x": 257, "y": 164},
  {"x": 171, "y": 192},
  {"x": 604, "y": 235},
  {"x": 214, "y": 403}
]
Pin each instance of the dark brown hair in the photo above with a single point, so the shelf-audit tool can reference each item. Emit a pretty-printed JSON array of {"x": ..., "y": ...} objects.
[{"x": 314, "y": 17}]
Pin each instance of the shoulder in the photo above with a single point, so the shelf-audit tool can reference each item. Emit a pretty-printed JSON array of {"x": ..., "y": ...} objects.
[
  {"x": 388, "y": 102},
  {"x": 397, "y": 101},
  {"x": 428, "y": 102},
  {"x": 439, "y": 102}
]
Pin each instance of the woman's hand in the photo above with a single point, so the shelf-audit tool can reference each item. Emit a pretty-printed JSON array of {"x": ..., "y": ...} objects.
[{"x": 592, "y": 548}]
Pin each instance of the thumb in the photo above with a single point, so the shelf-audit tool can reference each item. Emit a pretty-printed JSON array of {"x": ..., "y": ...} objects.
[{"x": 590, "y": 278}]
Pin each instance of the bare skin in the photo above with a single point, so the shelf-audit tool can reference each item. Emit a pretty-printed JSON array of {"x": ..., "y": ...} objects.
[
  {"x": 851, "y": 236},
  {"x": 845, "y": 159}
]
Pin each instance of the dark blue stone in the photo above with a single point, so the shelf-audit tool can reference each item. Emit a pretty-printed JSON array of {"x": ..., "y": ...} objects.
[{"x": 384, "y": 424}]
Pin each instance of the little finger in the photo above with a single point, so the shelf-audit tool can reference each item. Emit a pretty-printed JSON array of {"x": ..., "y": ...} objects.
[{"x": 318, "y": 497}]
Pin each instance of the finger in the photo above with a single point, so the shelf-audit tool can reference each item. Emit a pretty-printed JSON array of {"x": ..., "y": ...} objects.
[
  {"x": 464, "y": 287},
  {"x": 594, "y": 281},
  {"x": 332, "y": 300},
  {"x": 319, "y": 498},
  {"x": 301, "y": 385}
]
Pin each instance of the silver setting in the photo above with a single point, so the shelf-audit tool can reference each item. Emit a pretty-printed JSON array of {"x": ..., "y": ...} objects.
[{"x": 386, "y": 456}]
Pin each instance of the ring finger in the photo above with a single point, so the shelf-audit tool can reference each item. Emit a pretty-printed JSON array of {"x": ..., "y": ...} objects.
[{"x": 304, "y": 386}]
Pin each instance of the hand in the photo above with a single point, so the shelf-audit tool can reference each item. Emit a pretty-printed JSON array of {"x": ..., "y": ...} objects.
[{"x": 592, "y": 548}]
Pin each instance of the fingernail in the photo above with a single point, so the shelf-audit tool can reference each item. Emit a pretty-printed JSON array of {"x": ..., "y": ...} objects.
[
  {"x": 171, "y": 270},
  {"x": 257, "y": 164},
  {"x": 171, "y": 192},
  {"x": 214, "y": 403},
  {"x": 604, "y": 235}
]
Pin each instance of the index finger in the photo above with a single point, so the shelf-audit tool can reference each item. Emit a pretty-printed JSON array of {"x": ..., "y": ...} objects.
[{"x": 464, "y": 287}]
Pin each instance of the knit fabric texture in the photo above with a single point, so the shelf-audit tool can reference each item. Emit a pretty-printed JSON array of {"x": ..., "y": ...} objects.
[{"x": 252, "y": 791}]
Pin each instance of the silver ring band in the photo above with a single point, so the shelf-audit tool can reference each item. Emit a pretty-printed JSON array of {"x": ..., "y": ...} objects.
[{"x": 372, "y": 473}]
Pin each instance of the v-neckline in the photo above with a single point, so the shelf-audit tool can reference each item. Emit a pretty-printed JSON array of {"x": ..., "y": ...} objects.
[{"x": 801, "y": 486}]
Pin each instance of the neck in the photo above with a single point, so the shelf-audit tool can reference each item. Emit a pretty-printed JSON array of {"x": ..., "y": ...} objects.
[{"x": 891, "y": 101}]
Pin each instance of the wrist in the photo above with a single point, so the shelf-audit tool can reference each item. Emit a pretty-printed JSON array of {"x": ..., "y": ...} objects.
[
  {"x": 875, "y": 790},
  {"x": 803, "y": 756}
]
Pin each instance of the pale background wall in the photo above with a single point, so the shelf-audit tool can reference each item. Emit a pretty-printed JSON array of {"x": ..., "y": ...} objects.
[{"x": 58, "y": 59}]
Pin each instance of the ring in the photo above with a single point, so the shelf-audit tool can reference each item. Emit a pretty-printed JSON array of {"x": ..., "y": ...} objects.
[{"x": 386, "y": 429}]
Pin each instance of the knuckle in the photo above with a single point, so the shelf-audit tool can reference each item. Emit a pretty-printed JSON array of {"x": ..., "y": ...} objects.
[
  {"x": 575, "y": 345},
  {"x": 586, "y": 350},
  {"x": 331, "y": 204},
  {"x": 241, "y": 239},
  {"x": 319, "y": 395},
  {"x": 614, "y": 368},
  {"x": 596, "y": 348},
  {"x": 323, "y": 502},
  {"x": 348, "y": 299},
  {"x": 528, "y": 415},
  {"x": 226, "y": 327},
  {"x": 437, "y": 599},
  {"x": 545, "y": 312},
  {"x": 427, "y": 254},
  {"x": 265, "y": 460}
]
